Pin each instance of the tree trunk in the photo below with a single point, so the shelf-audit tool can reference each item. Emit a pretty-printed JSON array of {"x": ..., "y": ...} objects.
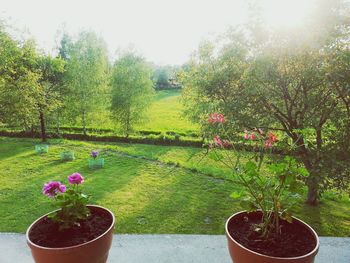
[
  {"x": 314, "y": 173},
  {"x": 84, "y": 122},
  {"x": 58, "y": 123},
  {"x": 128, "y": 124},
  {"x": 43, "y": 127},
  {"x": 312, "y": 185}
]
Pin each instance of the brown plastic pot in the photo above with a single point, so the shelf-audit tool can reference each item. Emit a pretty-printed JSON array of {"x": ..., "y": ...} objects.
[
  {"x": 240, "y": 254},
  {"x": 94, "y": 251}
]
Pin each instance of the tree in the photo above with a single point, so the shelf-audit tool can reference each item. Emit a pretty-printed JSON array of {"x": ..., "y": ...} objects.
[
  {"x": 161, "y": 78},
  {"x": 86, "y": 75},
  {"x": 65, "y": 46},
  {"x": 286, "y": 83},
  {"x": 51, "y": 70},
  {"x": 132, "y": 90},
  {"x": 164, "y": 77},
  {"x": 19, "y": 87}
]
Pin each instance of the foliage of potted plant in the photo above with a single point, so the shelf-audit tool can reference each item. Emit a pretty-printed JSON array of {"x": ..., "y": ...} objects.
[
  {"x": 266, "y": 232},
  {"x": 96, "y": 162},
  {"x": 76, "y": 232},
  {"x": 67, "y": 156},
  {"x": 41, "y": 148}
]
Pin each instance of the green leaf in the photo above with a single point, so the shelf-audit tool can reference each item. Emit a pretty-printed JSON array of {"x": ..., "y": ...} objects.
[{"x": 236, "y": 195}]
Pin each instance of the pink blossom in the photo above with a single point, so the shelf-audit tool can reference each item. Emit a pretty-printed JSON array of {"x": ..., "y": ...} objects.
[
  {"x": 253, "y": 136},
  {"x": 249, "y": 136},
  {"x": 227, "y": 144},
  {"x": 52, "y": 188},
  {"x": 76, "y": 178},
  {"x": 221, "y": 118},
  {"x": 216, "y": 118},
  {"x": 272, "y": 137},
  {"x": 218, "y": 141},
  {"x": 268, "y": 144}
]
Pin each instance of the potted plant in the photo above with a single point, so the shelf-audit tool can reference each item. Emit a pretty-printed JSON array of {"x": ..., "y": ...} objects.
[
  {"x": 41, "y": 148},
  {"x": 76, "y": 232},
  {"x": 266, "y": 232},
  {"x": 96, "y": 162},
  {"x": 67, "y": 156}
]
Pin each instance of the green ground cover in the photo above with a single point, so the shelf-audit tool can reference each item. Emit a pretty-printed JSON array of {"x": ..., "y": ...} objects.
[
  {"x": 151, "y": 189},
  {"x": 165, "y": 114}
]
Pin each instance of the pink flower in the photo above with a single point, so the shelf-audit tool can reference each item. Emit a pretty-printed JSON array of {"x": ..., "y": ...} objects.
[
  {"x": 246, "y": 135},
  {"x": 272, "y": 137},
  {"x": 249, "y": 136},
  {"x": 221, "y": 118},
  {"x": 218, "y": 141},
  {"x": 52, "y": 188},
  {"x": 76, "y": 178},
  {"x": 268, "y": 144},
  {"x": 214, "y": 118},
  {"x": 227, "y": 144}
]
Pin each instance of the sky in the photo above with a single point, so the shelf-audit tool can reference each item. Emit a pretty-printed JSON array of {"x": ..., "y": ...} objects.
[{"x": 163, "y": 31}]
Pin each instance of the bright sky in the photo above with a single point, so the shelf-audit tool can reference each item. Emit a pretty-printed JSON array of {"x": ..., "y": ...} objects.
[{"x": 163, "y": 31}]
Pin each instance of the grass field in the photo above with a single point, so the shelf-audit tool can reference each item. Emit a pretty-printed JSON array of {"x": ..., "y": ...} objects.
[
  {"x": 151, "y": 189},
  {"x": 165, "y": 114}
]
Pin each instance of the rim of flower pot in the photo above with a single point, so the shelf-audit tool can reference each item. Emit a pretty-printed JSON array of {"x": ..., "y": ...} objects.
[
  {"x": 314, "y": 251},
  {"x": 70, "y": 247}
]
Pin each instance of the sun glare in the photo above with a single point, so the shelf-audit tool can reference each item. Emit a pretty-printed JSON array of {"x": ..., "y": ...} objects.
[{"x": 286, "y": 13}]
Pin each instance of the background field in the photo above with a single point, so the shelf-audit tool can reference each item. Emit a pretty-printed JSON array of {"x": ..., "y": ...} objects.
[
  {"x": 151, "y": 189},
  {"x": 165, "y": 114}
]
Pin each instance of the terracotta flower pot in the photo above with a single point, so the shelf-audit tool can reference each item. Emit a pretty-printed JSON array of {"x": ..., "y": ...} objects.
[
  {"x": 94, "y": 251},
  {"x": 241, "y": 254}
]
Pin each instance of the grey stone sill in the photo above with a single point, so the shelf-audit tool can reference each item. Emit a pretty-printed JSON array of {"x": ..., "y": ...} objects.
[{"x": 169, "y": 249}]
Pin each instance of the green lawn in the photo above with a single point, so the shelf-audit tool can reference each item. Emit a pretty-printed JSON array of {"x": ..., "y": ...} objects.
[
  {"x": 165, "y": 114},
  {"x": 151, "y": 189}
]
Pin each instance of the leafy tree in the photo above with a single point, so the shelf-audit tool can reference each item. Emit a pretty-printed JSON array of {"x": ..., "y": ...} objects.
[
  {"x": 132, "y": 90},
  {"x": 161, "y": 79},
  {"x": 51, "y": 70},
  {"x": 29, "y": 84},
  {"x": 19, "y": 87},
  {"x": 65, "y": 45},
  {"x": 287, "y": 83},
  {"x": 86, "y": 75},
  {"x": 164, "y": 77}
]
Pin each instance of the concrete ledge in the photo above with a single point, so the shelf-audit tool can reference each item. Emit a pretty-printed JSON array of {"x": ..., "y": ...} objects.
[{"x": 169, "y": 249}]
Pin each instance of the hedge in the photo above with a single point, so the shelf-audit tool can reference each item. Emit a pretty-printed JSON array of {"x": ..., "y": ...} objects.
[{"x": 165, "y": 140}]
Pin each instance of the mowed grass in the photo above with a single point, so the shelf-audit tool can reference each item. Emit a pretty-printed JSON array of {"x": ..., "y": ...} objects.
[
  {"x": 151, "y": 189},
  {"x": 165, "y": 114}
]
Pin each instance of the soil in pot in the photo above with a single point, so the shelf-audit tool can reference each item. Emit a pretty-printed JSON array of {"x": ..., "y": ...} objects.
[
  {"x": 295, "y": 240},
  {"x": 46, "y": 233}
]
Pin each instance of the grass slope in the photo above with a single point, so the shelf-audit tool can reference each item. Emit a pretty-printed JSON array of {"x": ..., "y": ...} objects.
[
  {"x": 165, "y": 114},
  {"x": 140, "y": 184}
]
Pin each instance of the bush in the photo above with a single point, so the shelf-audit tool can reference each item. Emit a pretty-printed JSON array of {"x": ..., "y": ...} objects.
[{"x": 161, "y": 139}]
